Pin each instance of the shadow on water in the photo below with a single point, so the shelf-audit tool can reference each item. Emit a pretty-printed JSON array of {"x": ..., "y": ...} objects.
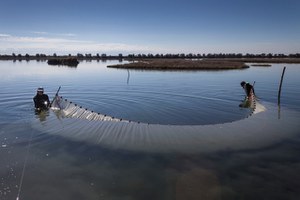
[{"x": 78, "y": 167}]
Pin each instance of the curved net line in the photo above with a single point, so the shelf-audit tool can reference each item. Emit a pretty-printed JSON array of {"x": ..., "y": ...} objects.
[{"x": 71, "y": 110}]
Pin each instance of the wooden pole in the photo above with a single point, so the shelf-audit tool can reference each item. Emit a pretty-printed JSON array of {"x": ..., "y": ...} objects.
[{"x": 279, "y": 91}]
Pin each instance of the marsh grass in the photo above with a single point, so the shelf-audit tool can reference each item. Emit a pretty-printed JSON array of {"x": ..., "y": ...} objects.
[
  {"x": 181, "y": 64},
  {"x": 63, "y": 61}
]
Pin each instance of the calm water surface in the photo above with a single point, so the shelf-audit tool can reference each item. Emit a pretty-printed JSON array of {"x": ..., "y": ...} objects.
[{"x": 58, "y": 167}]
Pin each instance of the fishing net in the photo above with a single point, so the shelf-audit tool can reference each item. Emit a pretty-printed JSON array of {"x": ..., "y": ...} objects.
[
  {"x": 258, "y": 131},
  {"x": 71, "y": 110}
]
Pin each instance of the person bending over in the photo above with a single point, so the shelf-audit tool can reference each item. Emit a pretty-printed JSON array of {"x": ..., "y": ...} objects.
[{"x": 249, "y": 90}]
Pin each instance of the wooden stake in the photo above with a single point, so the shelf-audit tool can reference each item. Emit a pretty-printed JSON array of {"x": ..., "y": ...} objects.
[{"x": 279, "y": 91}]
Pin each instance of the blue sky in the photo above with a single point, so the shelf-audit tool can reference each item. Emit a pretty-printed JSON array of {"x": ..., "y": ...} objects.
[{"x": 149, "y": 26}]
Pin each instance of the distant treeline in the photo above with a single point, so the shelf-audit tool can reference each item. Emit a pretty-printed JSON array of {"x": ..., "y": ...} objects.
[{"x": 138, "y": 56}]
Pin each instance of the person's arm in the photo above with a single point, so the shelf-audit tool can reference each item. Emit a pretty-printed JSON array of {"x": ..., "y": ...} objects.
[
  {"x": 248, "y": 90},
  {"x": 253, "y": 91},
  {"x": 48, "y": 101},
  {"x": 35, "y": 102}
]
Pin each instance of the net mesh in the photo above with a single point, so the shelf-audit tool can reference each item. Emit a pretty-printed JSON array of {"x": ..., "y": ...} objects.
[{"x": 72, "y": 110}]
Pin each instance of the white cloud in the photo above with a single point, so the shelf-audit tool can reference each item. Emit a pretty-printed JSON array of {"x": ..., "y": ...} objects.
[
  {"x": 40, "y": 32},
  {"x": 68, "y": 34},
  {"x": 49, "y": 45},
  {"x": 53, "y": 34},
  {"x": 4, "y": 35}
]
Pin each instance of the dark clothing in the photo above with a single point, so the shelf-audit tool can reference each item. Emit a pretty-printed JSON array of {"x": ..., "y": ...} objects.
[
  {"x": 41, "y": 101},
  {"x": 249, "y": 89}
]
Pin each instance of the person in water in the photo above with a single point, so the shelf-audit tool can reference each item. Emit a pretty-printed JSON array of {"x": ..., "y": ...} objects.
[
  {"x": 41, "y": 100},
  {"x": 249, "y": 89}
]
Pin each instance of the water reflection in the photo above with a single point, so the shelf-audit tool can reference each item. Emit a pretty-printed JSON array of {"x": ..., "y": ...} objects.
[
  {"x": 42, "y": 114},
  {"x": 60, "y": 168},
  {"x": 253, "y": 158},
  {"x": 247, "y": 103}
]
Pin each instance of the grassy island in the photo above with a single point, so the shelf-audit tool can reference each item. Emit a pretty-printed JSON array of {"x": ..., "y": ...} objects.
[
  {"x": 73, "y": 62},
  {"x": 181, "y": 64},
  {"x": 261, "y": 65}
]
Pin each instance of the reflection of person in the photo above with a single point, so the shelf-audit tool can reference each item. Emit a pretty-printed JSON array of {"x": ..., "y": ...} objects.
[
  {"x": 247, "y": 103},
  {"x": 41, "y": 115},
  {"x": 249, "y": 90},
  {"x": 41, "y": 100}
]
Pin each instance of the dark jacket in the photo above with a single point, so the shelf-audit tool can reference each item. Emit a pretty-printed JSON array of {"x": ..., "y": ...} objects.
[
  {"x": 248, "y": 89},
  {"x": 39, "y": 101}
]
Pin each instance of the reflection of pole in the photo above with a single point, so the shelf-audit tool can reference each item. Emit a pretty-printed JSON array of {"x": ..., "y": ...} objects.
[
  {"x": 128, "y": 76},
  {"x": 279, "y": 91}
]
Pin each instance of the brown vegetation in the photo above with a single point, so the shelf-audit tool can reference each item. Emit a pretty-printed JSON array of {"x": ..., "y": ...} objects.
[
  {"x": 167, "y": 61},
  {"x": 63, "y": 61},
  {"x": 261, "y": 65},
  {"x": 181, "y": 64}
]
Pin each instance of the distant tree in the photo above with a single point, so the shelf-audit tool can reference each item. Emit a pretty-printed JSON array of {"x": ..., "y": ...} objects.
[
  {"x": 79, "y": 55},
  {"x": 19, "y": 55},
  {"x": 157, "y": 55},
  {"x": 182, "y": 55},
  {"x": 103, "y": 56},
  {"x": 54, "y": 55},
  {"x": 150, "y": 55},
  {"x": 13, "y": 55},
  {"x": 249, "y": 55},
  {"x": 190, "y": 55},
  {"x": 120, "y": 55},
  {"x": 239, "y": 55},
  {"x": 131, "y": 55},
  {"x": 88, "y": 55}
]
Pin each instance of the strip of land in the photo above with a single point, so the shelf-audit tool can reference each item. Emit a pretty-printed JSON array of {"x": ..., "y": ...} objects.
[
  {"x": 180, "y": 64},
  {"x": 166, "y": 62},
  {"x": 199, "y": 64}
]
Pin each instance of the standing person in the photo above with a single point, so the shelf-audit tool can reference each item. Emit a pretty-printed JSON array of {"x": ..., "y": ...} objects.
[
  {"x": 249, "y": 90},
  {"x": 41, "y": 100}
]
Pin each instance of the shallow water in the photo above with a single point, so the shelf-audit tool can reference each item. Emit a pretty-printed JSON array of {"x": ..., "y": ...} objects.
[{"x": 205, "y": 146}]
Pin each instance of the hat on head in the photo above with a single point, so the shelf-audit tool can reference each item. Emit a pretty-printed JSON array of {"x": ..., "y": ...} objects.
[{"x": 40, "y": 89}]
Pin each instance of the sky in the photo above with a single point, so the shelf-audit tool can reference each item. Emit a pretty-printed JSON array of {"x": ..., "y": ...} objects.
[{"x": 149, "y": 26}]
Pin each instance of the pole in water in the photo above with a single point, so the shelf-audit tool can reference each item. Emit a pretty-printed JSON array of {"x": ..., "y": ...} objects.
[
  {"x": 128, "y": 76},
  {"x": 279, "y": 91},
  {"x": 55, "y": 96}
]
